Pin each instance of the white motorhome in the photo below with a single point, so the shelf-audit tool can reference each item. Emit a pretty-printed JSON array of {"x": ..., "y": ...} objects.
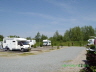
[
  {"x": 46, "y": 42},
  {"x": 31, "y": 42},
  {"x": 1, "y": 44},
  {"x": 15, "y": 44},
  {"x": 90, "y": 42}
]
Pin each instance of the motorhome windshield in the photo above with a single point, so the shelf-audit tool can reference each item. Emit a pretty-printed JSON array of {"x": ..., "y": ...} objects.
[
  {"x": 45, "y": 42},
  {"x": 23, "y": 42}
]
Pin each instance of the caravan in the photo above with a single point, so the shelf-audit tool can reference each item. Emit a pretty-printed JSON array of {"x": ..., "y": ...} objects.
[
  {"x": 90, "y": 42},
  {"x": 31, "y": 42},
  {"x": 1, "y": 44},
  {"x": 46, "y": 42},
  {"x": 15, "y": 44}
]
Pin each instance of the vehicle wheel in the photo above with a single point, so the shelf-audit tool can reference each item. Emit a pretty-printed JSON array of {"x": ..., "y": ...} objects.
[
  {"x": 22, "y": 49},
  {"x": 8, "y": 49}
]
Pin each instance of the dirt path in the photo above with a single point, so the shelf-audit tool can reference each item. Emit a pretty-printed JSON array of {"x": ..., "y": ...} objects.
[
  {"x": 34, "y": 51},
  {"x": 76, "y": 67}
]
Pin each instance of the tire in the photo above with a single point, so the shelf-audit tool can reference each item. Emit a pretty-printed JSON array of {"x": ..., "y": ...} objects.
[
  {"x": 22, "y": 49},
  {"x": 6, "y": 48}
]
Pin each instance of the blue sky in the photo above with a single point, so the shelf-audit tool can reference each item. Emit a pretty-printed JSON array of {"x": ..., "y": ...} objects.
[{"x": 25, "y": 18}]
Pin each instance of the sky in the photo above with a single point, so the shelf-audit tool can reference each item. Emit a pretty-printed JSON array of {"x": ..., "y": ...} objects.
[{"x": 25, "y": 18}]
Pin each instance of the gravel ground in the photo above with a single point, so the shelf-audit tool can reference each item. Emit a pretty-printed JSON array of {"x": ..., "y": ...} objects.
[{"x": 44, "y": 62}]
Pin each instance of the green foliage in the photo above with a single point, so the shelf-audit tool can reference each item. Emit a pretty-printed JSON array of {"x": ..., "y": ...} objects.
[
  {"x": 29, "y": 49},
  {"x": 41, "y": 44},
  {"x": 68, "y": 44},
  {"x": 79, "y": 34},
  {"x": 43, "y": 37},
  {"x": 37, "y": 37},
  {"x": 93, "y": 68},
  {"x": 34, "y": 45},
  {"x": 1, "y": 37},
  {"x": 13, "y": 36},
  {"x": 90, "y": 61},
  {"x": 58, "y": 47},
  {"x": 92, "y": 46},
  {"x": 28, "y": 38},
  {"x": 52, "y": 44}
]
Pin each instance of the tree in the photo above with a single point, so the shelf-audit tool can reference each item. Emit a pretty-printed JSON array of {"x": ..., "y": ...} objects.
[
  {"x": 12, "y": 36},
  {"x": 87, "y": 31},
  {"x": 95, "y": 31},
  {"x": 28, "y": 38},
  {"x": 66, "y": 36},
  {"x": 57, "y": 36},
  {"x": 38, "y": 37},
  {"x": 76, "y": 34},
  {"x": 79, "y": 34},
  {"x": 1, "y": 37},
  {"x": 43, "y": 37}
]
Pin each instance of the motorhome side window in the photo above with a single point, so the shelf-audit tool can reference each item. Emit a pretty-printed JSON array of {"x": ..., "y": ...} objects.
[
  {"x": 13, "y": 41},
  {"x": 18, "y": 42},
  {"x": 4, "y": 41}
]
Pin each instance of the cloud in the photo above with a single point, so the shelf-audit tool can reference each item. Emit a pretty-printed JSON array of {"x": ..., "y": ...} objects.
[
  {"x": 54, "y": 20},
  {"x": 90, "y": 17},
  {"x": 64, "y": 5}
]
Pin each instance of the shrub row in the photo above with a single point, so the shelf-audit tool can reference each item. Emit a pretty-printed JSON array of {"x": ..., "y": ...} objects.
[{"x": 90, "y": 61}]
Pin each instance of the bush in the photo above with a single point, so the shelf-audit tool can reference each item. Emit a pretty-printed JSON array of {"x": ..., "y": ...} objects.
[
  {"x": 93, "y": 68},
  {"x": 68, "y": 44},
  {"x": 90, "y": 61},
  {"x": 29, "y": 49},
  {"x": 92, "y": 46},
  {"x": 58, "y": 47},
  {"x": 34, "y": 45},
  {"x": 61, "y": 44},
  {"x": 52, "y": 45},
  {"x": 80, "y": 44},
  {"x": 41, "y": 44}
]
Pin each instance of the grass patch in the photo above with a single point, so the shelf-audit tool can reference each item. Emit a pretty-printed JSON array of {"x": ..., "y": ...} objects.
[
  {"x": 7, "y": 54},
  {"x": 51, "y": 49},
  {"x": 11, "y": 54},
  {"x": 26, "y": 54},
  {"x": 47, "y": 51}
]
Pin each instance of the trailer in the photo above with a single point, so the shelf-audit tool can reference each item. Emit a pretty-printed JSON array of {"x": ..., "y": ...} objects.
[
  {"x": 31, "y": 42},
  {"x": 90, "y": 42},
  {"x": 46, "y": 42},
  {"x": 15, "y": 44}
]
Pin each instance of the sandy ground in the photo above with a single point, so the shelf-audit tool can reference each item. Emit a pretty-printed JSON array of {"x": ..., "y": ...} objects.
[
  {"x": 78, "y": 60},
  {"x": 75, "y": 62},
  {"x": 34, "y": 51}
]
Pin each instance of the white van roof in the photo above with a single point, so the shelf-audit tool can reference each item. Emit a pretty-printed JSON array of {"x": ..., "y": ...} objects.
[{"x": 15, "y": 39}]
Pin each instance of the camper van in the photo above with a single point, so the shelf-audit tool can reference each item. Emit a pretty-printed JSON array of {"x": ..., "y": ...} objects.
[
  {"x": 90, "y": 42},
  {"x": 31, "y": 42},
  {"x": 46, "y": 42},
  {"x": 15, "y": 44},
  {"x": 1, "y": 44}
]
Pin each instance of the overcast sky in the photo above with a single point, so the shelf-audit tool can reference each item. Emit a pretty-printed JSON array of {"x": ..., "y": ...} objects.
[{"x": 27, "y": 17}]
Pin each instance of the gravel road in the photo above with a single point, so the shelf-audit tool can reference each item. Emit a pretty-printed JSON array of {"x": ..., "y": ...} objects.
[{"x": 45, "y": 62}]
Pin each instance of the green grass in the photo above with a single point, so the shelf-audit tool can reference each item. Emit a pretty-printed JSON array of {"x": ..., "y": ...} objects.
[
  {"x": 26, "y": 54},
  {"x": 11, "y": 54},
  {"x": 70, "y": 43}
]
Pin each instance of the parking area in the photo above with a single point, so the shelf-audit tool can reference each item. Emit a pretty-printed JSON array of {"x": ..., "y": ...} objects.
[
  {"x": 34, "y": 51},
  {"x": 52, "y": 61}
]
